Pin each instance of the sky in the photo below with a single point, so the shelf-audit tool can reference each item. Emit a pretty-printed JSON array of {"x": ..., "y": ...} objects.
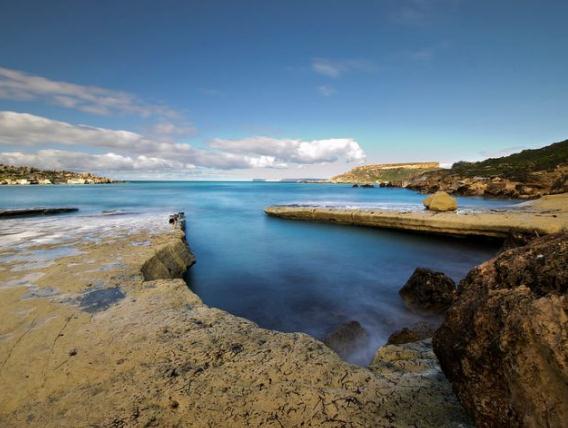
[{"x": 277, "y": 89}]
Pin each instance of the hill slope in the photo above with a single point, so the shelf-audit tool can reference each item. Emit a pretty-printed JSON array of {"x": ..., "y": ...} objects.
[
  {"x": 391, "y": 173},
  {"x": 527, "y": 174}
]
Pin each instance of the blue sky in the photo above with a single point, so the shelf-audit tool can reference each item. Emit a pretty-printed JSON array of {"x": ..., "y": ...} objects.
[{"x": 240, "y": 89}]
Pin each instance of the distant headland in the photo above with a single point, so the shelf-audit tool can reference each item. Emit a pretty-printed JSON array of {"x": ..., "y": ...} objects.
[
  {"x": 528, "y": 174},
  {"x": 10, "y": 174}
]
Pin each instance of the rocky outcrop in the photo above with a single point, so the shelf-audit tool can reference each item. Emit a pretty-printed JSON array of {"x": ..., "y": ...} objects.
[
  {"x": 529, "y": 174},
  {"x": 414, "y": 333},
  {"x": 347, "y": 337},
  {"x": 391, "y": 174},
  {"x": 427, "y": 290},
  {"x": 504, "y": 343},
  {"x": 440, "y": 201},
  {"x": 22, "y": 175}
]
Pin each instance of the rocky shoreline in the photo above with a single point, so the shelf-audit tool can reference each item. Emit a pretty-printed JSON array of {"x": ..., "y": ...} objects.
[
  {"x": 547, "y": 215},
  {"x": 112, "y": 336},
  {"x": 25, "y": 175}
]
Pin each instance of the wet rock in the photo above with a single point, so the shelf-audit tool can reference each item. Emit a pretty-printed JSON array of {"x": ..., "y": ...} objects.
[
  {"x": 100, "y": 300},
  {"x": 368, "y": 186},
  {"x": 440, "y": 201},
  {"x": 504, "y": 343},
  {"x": 355, "y": 185},
  {"x": 414, "y": 333},
  {"x": 347, "y": 337},
  {"x": 427, "y": 290}
]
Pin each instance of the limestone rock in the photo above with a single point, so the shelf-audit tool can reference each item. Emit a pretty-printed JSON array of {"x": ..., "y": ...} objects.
[
  {"x": 347, "y": 337},
  {"x": 414, "y": 333},
  {"x": 440, "y": 201},
  {"x": 504, "y": 343},
  {"x": 428, "y": 290}
]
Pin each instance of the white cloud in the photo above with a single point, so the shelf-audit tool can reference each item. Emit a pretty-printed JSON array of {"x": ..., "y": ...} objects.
[
  {"x": 101, "y": 149},
  {"x": 17, "y": 85},
  {"x": 336, "y": 68},
  {"x": 326, "y": 90},
  {"x": 295, "y": 151}
]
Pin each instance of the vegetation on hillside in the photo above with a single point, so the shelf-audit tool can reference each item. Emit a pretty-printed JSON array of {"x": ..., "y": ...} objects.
[{"x": 517, "y": 166}]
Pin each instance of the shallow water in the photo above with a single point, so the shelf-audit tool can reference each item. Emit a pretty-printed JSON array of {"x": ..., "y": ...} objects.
[{"x": 285, "y": 275}]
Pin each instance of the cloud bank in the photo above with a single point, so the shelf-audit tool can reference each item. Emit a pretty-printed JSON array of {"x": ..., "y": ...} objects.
[
  {"x": 101, "y": 149},
  {"x": 17, "y": 85}
]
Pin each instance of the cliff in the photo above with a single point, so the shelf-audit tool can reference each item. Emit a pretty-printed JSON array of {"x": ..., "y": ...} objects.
[
  {"x": 527, "y": 174},
  {"x": 397, "y": 174},
  {"x": 10, "y": 174}
]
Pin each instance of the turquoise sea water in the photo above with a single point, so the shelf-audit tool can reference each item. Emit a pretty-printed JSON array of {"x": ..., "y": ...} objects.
[{"x": 284, "y": 275}]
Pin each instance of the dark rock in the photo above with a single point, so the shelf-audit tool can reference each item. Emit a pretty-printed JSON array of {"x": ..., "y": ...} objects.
[
  {"x": 518, "y": 239},
  {"x": 30, "y": 212},
  {"x": 429, "y": 291},
  {"x": 414, "y": 333},
  {"x": 504, "y": 342},
  {"x": 367, "y": 185},
  {"x": 347, "y": 337},
  {"x": 355, "y": 185}
]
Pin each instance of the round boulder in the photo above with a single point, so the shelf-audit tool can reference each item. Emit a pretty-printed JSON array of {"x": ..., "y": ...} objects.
[
  {"x": 440, "y": 201},
  {"x": 347, "y": 337},
  {"x": 427, "y": 290}
]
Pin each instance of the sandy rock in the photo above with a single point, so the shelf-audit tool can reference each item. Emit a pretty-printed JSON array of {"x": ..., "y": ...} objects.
[
  {"x": 429, "y": 291},
  {"x": 440, "y": 201},
  {"x": 504, "y": 343}
]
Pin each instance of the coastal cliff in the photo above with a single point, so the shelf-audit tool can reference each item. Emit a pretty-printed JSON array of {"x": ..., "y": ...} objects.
[
  {"x": 22, "y": 175},
  {"x": 112, "y": 336},
  {"x": 526, "y": 175},
  {"x": 395, "y": 174}
]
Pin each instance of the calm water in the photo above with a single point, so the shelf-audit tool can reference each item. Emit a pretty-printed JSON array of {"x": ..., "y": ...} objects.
[{"x": 285, "y": 275}]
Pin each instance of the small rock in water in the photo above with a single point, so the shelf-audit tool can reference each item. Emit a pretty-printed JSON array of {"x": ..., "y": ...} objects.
[
  {"x": 414, "y": 333},
  {"x": 347, "y": 337},
  {"x": 429, "y": 291}
]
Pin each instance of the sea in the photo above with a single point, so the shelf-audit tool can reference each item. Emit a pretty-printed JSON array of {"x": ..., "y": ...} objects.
[{"x": 285, "y": 275}]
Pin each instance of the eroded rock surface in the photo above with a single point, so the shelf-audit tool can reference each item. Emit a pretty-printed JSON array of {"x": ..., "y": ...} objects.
[
  {"x": 152, "y": 354},
  {"x": 427, "y": 290},
  {"x": 504, "y": 343}
]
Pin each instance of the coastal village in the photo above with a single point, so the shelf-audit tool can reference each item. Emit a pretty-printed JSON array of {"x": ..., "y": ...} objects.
[{"x": 25, "y": 175}]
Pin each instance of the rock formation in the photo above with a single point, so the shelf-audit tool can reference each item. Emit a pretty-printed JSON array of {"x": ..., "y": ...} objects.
[
  {"x": 414, "y": 333},
  {"x": 347, "y": 337},
  {"x": 504, "y": 343},
  {"x": 440, "y": 201},
  {"x": 528, "y": 174},
  {"x": 427, "y": 290}
]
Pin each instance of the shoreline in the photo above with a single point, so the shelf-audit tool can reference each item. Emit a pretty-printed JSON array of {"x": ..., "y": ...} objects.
[
  {"x": 111, "y": 334},
  {"x": 543, "y": 216}
]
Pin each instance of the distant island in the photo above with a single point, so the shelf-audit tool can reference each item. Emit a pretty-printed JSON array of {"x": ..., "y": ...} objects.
[{"x": 10, "y": 174}]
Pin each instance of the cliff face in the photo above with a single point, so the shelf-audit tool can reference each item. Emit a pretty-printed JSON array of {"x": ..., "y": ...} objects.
[
  {"x": 504, "y": 342},
  {"x": 525, "y": 175},
  {"x": 10, "y": 174},
  {"x": 397, "y": 174}
]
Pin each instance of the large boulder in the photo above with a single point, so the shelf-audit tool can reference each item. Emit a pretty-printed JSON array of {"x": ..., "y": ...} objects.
[
  {"x": 427, "y": 290},
  {"x": 347, "y": 337},
  {"x": 440, "y": 201},
  {"x": 504, "y": 342}
]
